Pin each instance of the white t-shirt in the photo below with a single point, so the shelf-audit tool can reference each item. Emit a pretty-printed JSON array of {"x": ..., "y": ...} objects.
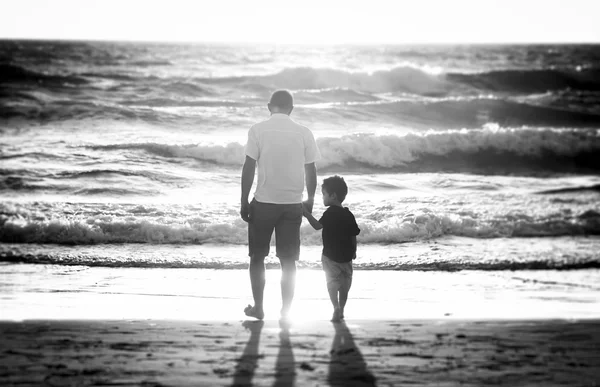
[{"x": 281, "y": 147}]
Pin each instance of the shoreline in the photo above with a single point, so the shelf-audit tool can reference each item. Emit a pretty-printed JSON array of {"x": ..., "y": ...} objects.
[
  {"x": 55, "y": 292},
  {"x": 309, "y": 353}
]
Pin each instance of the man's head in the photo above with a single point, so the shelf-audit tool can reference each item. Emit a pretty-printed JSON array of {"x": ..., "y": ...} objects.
[
  {"x": 334, "y": 190},
  {"x": 281, "y": 102}
]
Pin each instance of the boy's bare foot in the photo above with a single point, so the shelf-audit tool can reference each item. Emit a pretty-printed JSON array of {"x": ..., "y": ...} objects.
[
  {"x": 341, "y": 314},
  {"x": 336, "y": 315},
  {"x": 251, "y": 311}
]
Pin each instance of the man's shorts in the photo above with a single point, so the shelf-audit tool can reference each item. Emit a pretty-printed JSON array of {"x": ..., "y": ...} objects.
[
  {"x": 337, "y": 274},
  {"x": 285, "y": 219}
]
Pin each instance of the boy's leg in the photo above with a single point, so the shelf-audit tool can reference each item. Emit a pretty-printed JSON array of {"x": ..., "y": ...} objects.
[
  {"x": 332, "y": 275},
  {"x": 343, "y": 299},
  {"x": 346, "y": 283},
  {"x": 333, "y": 288}
]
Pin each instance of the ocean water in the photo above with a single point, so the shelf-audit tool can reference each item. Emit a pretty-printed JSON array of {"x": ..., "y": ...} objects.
[{"x": 456, "y": 157}]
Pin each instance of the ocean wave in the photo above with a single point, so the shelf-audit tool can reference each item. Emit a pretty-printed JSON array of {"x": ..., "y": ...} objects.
[
  {"x": 100, "y": 172},
  {"x": 32, "y": 185},
  {"x": 20, "y": 225},
  {"x": 502, "y": 151},
  {"x": 231, "y": 154},
  {"x": 168, "y": 103},
  {"x": 405, "y": 78},
  {"x": 530, "y": 81},
  {"x": 490, "y": 150},
  {"x": 456, "y": 113},
  {"x": 414, "y": 80},
  {"x": 337, "y": 106},
  {"x": 150, "y": 63},
  {"x": 591, "y": 188},
  {"x": 14, "y": 74},
  {"x": 198, "y": 262}
]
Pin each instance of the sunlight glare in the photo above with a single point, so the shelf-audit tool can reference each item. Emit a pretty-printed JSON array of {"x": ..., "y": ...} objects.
[{"x": 307, "y": 22}]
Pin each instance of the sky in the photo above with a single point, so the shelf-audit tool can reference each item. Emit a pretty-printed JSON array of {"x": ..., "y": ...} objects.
[{"x": 305, "y": 21}]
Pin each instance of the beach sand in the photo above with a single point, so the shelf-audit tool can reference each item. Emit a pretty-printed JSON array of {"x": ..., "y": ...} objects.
[
  {"x": 79, "y": 326},
  {"x": 311, "y": 353}
]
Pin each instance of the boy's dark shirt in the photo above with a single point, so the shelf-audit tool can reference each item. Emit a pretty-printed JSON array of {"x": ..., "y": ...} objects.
[{"x": 339, "y": 226}]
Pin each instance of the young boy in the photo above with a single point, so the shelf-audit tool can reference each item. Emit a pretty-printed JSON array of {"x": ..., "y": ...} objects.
[{"x": 339, "y": 242}]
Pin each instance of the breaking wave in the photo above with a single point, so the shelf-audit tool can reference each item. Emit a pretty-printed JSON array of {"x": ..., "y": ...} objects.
[
  {"x": 378, "y": 227},
  {"x": 494, "y": 151}
]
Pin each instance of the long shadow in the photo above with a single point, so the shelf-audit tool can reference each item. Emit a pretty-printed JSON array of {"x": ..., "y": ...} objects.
[
  {"x": 285, "y": 365},
  {"x": 346, "y": 365},
  {"x": 248, "y": 362}
]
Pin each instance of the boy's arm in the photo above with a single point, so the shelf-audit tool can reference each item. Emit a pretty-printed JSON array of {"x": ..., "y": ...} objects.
[
  {"x": 311, "y": 219},
  {"x": 354, "y": 245}
]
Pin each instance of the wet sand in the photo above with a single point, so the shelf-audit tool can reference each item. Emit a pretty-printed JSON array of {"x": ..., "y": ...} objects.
[{"x": 307, "y": 353}]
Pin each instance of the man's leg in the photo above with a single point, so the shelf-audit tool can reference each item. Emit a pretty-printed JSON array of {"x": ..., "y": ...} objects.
[
  {"x": 257, "y": 280},
  {"x": 288, "y": 284},
  {"x": 260, "y": 229},
  {"x": 287, "y": 235}
]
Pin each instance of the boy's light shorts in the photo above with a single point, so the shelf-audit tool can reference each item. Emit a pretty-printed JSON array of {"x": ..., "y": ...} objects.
[{"x": 338, "y": 274}]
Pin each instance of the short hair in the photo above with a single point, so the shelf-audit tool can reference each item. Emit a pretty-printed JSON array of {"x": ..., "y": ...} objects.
[
  {"x": 337, "y": 185},
  {"x": 282, "y": 99}
]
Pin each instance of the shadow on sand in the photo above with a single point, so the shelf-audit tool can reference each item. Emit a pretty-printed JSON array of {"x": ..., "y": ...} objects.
[
  {"x": 347, "y": 366},
  {"x": 248, "y": 362},
  {"x": 285, "y": 365}
]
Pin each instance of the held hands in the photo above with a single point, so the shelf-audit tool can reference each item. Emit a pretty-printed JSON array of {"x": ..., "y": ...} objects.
[{"x": 307, "y": 206}]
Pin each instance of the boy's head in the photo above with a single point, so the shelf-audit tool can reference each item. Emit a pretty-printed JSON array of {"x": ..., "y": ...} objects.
[
  {"x": 334, "y": 190},
  {"x": 281, "y": 102}
]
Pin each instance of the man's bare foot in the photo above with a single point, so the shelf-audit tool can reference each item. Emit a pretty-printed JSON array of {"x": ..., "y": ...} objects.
[
  {"x": 336, "y": 315},
  {"x": 252, "y": 311}
]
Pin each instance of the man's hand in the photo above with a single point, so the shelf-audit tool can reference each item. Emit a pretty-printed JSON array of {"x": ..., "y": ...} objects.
[
  {"x": 245, "y": 211},
  {"x": 305, "y": 210},
  {"x": 307, "y": 205}
]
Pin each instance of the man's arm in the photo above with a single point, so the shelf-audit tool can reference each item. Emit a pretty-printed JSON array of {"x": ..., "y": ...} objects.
[
  {"x": 310, "y": 173},
  {"x": 247, "y": 180}
]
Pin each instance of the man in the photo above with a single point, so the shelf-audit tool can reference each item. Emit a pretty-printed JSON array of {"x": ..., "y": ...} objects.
[{"x": 285, "y": 153}]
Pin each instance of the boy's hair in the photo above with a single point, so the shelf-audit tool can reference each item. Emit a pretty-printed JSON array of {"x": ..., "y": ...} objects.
[{"x": 336, "y": 185}]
